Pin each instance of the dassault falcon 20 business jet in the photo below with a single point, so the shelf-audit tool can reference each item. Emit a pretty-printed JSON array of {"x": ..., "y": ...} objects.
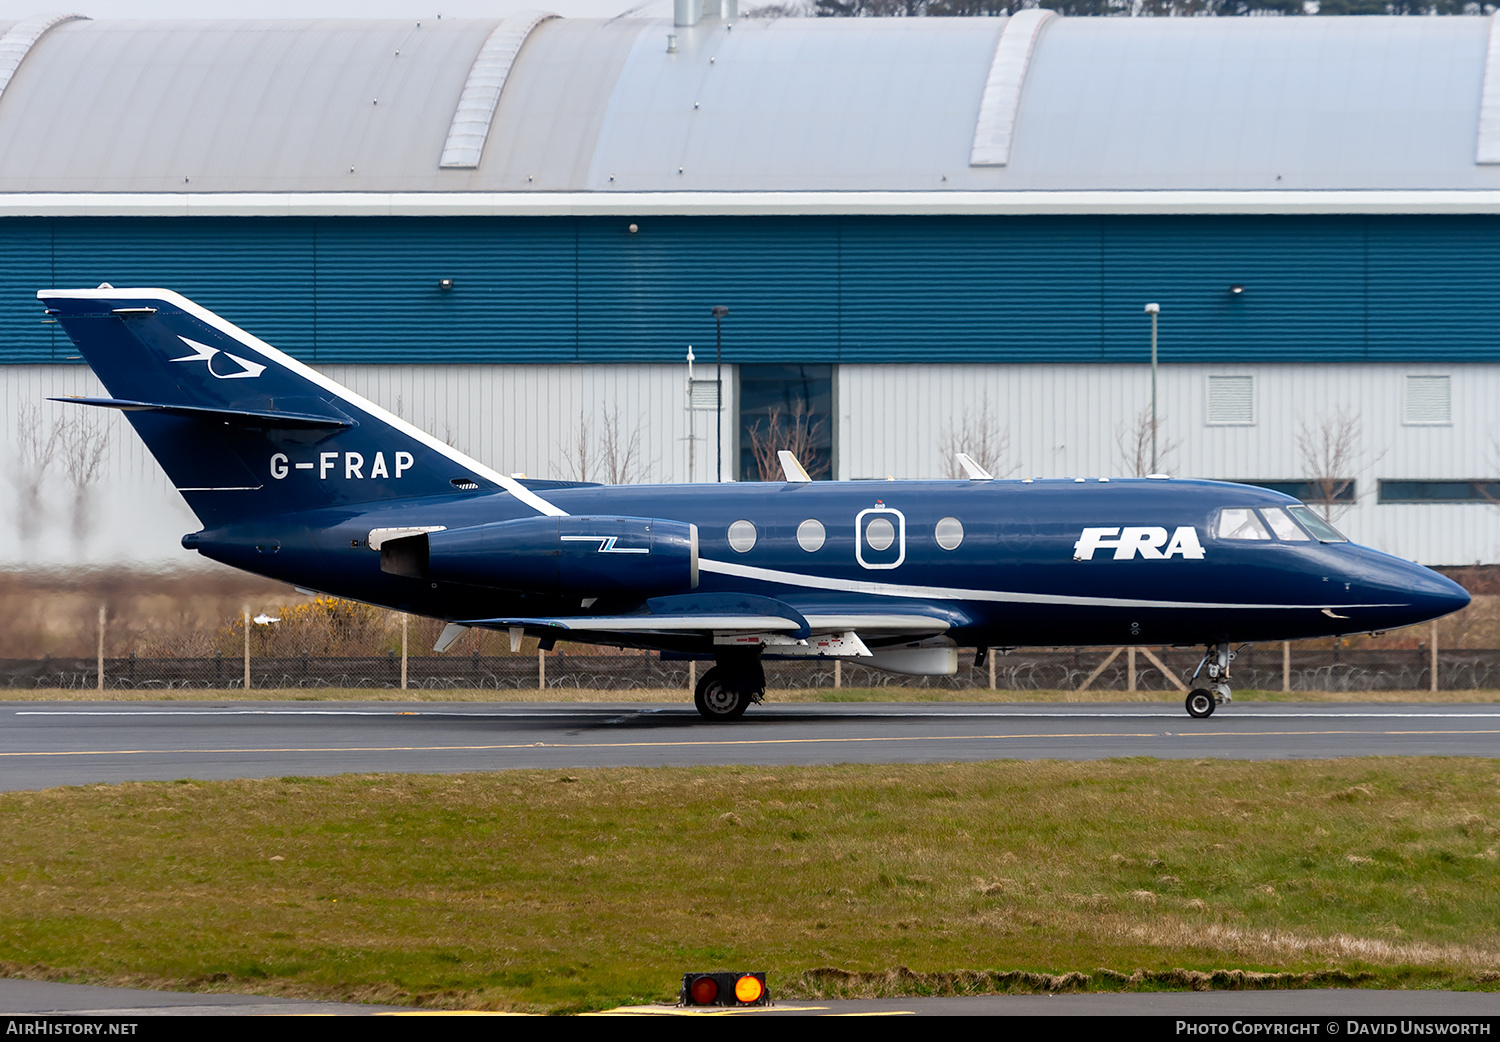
[{"x": 296, "y": 478}]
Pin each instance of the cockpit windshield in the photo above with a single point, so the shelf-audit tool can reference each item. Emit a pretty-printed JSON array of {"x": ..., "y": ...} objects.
[
  {"x": 1321, "y": 530},
  {"x": 1287, "y": 524},
  {"x": 1284, "y": 527},
  {"x": 1240, "y": 523}
]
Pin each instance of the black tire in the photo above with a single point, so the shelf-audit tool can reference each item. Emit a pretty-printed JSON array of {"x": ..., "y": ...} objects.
[
  {"x": 1200, "y": 703},
  {"x": 719, "y": 697}
]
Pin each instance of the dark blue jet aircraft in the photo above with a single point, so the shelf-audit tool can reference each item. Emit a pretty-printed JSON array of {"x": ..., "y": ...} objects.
[{"x": 299, "y": 479}]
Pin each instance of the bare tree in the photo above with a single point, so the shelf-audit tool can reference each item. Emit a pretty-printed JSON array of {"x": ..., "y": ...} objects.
[
  {"x": 85, "y": 446},
  {"x": 1330, "y": 456},
  {"x": 1134, "y": 442},
  {"x": 37, "y": 446},
  {"x": 982, "y": 437},
  {"x": 800, "y": 433},
  {"x": 575, "y": 450},
  {"x": 616, "y": 456},
  {"x": 622, "y": 452}
]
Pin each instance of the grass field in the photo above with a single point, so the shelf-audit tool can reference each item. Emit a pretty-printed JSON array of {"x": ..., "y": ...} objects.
[
  {"x": 562, "y": 694},
  {"x": 566, "y": 891}
]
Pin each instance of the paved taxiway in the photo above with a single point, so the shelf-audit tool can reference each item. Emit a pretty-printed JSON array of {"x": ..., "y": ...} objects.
[
  {"x": 46, "y": 744},
  {"x": 21, "y": 997}
]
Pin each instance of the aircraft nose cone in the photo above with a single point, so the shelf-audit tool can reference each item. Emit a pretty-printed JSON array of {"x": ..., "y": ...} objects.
[
  {"x": 1428, "y": 594},
  {"x": 1444, "y": 596}
]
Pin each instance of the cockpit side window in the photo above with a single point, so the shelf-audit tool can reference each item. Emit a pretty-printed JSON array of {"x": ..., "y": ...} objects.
[
  {"x": 1240, "y": 523},
  {"x": 1321, "y": 530},
  {"x": 1284, "y": 527}
]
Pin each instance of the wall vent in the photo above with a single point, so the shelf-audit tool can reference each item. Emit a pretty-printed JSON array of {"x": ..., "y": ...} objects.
[
  {"x": 1429, "y": 400},
  {"x": 1231, "y": 401}
]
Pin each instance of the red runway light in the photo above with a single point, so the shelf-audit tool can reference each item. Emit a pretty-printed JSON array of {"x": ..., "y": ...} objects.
[{"x": 704, "y": 991}]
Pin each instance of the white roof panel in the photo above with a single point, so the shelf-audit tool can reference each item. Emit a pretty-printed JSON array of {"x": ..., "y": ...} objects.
[{"x": 782, "y": 105}]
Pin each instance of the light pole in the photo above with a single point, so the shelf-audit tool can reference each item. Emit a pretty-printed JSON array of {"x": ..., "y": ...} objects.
[
  {"x": 719, "y": 311},
  {"x": 1153, "y": 310},
  {"x": 692, "y": 421}
]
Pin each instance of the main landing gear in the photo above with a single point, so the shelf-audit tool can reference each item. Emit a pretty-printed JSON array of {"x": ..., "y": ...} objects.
[
  {"x": 1202, "y": 701},
  {"x": 728, "y": 688}
]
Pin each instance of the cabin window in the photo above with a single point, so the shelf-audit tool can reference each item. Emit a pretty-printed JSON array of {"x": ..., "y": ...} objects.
[
  {"x": 880, "y": 534},
  {"x": 1240, "y": 523},
  {"x": 741, "y": 536},
  {"x": 949, "y": 533},
  {"x": 811, "y": 534}
]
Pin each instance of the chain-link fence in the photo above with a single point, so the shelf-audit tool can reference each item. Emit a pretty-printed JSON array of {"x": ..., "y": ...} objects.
[
  {"x": 183, "y": 632},
  {"x": 1264, "y": 667}
]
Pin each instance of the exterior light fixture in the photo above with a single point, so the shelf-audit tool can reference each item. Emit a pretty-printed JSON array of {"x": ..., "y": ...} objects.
[
  {"x": 1236, "y": 289},
  {"x": 724, "y": 989},
  {"x": 445, "y": 284}
]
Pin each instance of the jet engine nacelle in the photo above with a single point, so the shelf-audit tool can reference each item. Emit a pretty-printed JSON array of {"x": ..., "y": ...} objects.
[{"x": 587, "y": 556}]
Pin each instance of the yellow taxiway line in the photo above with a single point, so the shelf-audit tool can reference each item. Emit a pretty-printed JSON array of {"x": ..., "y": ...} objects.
[{"x": 736, "y": 742}]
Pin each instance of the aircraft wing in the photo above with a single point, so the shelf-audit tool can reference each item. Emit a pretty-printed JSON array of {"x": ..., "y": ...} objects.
[
  {"x": 914, "y": 625},
  {"x": 727, "y": 615}
]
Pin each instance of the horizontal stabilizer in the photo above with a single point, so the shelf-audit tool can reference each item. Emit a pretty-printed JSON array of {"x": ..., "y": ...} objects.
[{"x": 322, "y": 415}]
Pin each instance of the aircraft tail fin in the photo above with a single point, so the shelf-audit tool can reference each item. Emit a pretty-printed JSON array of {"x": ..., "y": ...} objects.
[{"x": 243, "y": 429}]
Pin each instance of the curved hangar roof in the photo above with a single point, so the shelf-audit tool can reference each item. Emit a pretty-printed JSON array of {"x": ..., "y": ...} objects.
[{"x": 534, "y": 104}]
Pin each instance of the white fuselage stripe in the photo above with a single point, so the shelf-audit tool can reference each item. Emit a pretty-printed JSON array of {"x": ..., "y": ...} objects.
[{"x": 946, "y": 593}]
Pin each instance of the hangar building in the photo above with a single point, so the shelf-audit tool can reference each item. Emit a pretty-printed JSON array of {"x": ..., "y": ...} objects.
[{"x": 930, "y": 234}]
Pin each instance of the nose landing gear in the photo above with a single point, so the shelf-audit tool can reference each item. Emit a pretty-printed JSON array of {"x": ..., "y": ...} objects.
[{"x": 1202, "y": 701}]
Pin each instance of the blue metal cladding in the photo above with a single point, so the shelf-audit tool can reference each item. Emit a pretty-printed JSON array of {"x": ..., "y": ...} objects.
[
  {"x": 380, "y": 298},
  {"x": 1434, "y": 289},
  {"x": 26, "y": 335},
  {"x": 257, "y": 273},
  {"x": 646, "y": 295},
  {"x": 808, "y": 290},
  {"x": 966, "y": 289},
  {"x": 1302, "y": 296}
]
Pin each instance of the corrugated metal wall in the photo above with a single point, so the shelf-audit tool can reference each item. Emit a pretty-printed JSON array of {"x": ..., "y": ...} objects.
[
  {"x": 800, "y": 289},
  {"x": 1078, "y": 421},
  {"x": 526, "y": 419},
  {"x": 893, "y": 420}
]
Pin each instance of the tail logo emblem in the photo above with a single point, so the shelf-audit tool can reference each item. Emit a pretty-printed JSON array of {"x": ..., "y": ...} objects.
[{"x": 205, "y": 354}]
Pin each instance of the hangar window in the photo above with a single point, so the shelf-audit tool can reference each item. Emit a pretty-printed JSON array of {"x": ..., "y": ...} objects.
[
  {"x": 1429, "y": 401},
  {"x": 1231, "y": 401},
  {"x": 741, "y": 536},
  {"x": 810, "y": 535},
  {"x": 785, "y": 407},
  {"x": 1333, "y": 490},
  {"x": 949, "y": 532},
  {"x": 1471, "y": 491}
]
